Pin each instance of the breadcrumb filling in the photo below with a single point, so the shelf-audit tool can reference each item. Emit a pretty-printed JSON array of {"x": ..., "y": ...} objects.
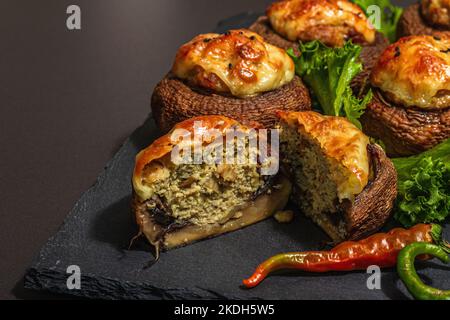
[
  {"x": 204, "y": 193},
  {"x": 315, "y": 179}
]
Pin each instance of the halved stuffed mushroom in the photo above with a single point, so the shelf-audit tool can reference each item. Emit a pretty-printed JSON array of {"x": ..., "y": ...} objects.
[
  {"x": 178, "y": 202},
  {"x": 345, "y": 184},
  {"x": 236, "y": 74}
]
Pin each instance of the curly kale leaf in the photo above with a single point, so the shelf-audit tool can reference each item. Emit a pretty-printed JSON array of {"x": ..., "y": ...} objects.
[{"x": 424, "y": 186}]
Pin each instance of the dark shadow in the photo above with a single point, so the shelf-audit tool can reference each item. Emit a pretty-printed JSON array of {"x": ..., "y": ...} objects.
[
  {"x": 28, "y": 294},
  {"x": 390, "y": 283},
  {"x": 145, "y": 134},
  {"x": 243, "y": 20},
  {"x": 115, "y": 225},
  {"x": 420, "y": 265},
  {"x": 118, "y": 143},
  {"x": 310, "y": 236}
]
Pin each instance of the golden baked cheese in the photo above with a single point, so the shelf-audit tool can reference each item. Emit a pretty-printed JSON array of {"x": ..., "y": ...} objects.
[
  {"x": 331, "y": 21},
  {"x": 239, "y": 62},
  {"x": 341, "y": 142},
  {"x": 415, "y": 72},
  {"x": 436, "y": 11}
]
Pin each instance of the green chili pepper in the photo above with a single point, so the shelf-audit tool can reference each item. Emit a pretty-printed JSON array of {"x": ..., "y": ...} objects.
[{"x": 409, "y": 276}]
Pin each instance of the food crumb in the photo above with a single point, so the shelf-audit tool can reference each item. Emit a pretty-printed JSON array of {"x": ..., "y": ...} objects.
[{"x": 284, "y": 216}]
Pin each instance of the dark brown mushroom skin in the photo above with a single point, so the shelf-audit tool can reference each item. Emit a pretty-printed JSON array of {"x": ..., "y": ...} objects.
[
  {"x": 412, "y": 23},
  {"x": 369, "y": 53},
  {"x": 373, "y": 206},
  {"x": 405, "y": 131},
  {"x": 173, "y": 101}
]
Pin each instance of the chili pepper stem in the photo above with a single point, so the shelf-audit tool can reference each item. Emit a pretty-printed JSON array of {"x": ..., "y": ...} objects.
[{"x": 436, "y": 234}]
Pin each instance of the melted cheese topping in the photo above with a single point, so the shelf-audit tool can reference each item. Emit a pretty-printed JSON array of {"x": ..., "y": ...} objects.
[
  {"x": 436, "y": 12},
  {"x": 415, "y": 72},
  {"x": 331, "y": 21},
  {"x": 342, "y": 141},
  {"x": 239, "y": 62}
]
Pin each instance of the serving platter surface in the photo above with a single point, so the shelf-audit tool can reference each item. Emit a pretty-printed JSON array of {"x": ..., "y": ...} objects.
[{"x": 96, "y": 234}]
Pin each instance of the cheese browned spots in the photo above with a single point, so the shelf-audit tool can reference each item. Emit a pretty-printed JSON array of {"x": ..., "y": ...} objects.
[
  {"x": 415, "y": 72},
  {"x": 239, "y": 62},
  {"x": 331, "y": 21}
]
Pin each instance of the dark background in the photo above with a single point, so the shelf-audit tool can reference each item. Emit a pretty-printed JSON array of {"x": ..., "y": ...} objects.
[{"x": 69, "y": 99}]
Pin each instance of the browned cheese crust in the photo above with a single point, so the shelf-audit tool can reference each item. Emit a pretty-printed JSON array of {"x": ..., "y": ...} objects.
[
  {"x": 369, "y": 52},
  {"x": 236, "y": 74},
  {"x": 174, "y": 101},
  {"x": 409, "y": 111},
  {"x": 413, "y": 23},
  {"x": 331, "y": 21}
]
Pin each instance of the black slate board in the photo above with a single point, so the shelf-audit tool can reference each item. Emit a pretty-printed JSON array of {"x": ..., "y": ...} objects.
[{"x": 96, "y": 233}]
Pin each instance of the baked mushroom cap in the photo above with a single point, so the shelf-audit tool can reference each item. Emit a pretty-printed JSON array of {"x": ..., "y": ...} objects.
[
  {"x": 173, "y": 101},
  {"x": 236, "y": 74},
  {"x": 342, "y": 182},
  {"x": 405, "y": 131},
  {"x": 369, "y": 52},
  {"x": 436, "y": 12},
  {"x": 418, "y": 21},
  {"x": 330, "y": 21},
  {"x": 238, "y": 62},
  {"x": 410, "y": 110},
  {"x": 176, "y": 203},
  {"x": 415, "y": 72}
]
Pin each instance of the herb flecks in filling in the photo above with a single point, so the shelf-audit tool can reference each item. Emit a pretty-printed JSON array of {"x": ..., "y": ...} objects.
[
  {"x": 314, "y": 176},
  {"x": 206, "y": 193}
]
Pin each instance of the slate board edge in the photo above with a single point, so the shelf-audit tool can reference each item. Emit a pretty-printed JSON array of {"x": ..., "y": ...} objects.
[{"x": 95, "y": 287}]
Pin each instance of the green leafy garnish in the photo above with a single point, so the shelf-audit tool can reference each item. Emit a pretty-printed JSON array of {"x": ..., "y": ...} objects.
[
  {"x": 328, "y": 72},
  {"x": 424, "y": 186},
  {"x": 389, "y": 16}
]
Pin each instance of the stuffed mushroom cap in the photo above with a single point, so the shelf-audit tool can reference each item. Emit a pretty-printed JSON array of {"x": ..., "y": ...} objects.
[
  {"x": 331, "y": 21},
  {"x": 436, "y": 12},
  {"x": 414, "y": 72},
  {"x": 427, "y": 17},
  {"x": 239, "y": 62},
  {"x": 236, "y": 74},
  {"x": 410, "y": 111}
]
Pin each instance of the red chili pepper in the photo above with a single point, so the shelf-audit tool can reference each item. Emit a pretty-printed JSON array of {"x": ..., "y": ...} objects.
[{"x": 380, "y": 249}]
